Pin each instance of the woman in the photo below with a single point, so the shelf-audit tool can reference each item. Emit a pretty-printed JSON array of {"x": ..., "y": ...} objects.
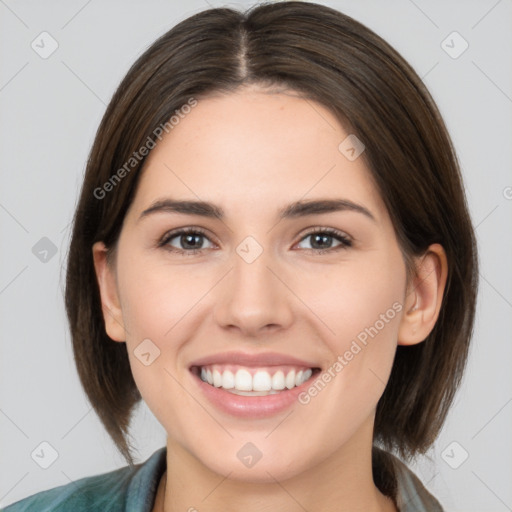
[{"x": 273, "y": 249}]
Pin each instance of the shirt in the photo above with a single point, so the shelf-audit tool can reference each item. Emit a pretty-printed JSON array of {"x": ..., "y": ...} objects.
[{"x": 134, "y": 490}]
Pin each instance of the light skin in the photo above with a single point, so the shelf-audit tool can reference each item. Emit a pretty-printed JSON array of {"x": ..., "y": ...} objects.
[{"x": 253, "y": 153}]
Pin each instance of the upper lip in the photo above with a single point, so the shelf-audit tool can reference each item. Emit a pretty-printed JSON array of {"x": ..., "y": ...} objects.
[{"x": 253, "y": 360}]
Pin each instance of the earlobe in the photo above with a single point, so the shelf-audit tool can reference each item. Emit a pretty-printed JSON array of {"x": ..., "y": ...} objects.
[
  {"x": 424, "y": 297},
  {"x": 110, "y": 304}
]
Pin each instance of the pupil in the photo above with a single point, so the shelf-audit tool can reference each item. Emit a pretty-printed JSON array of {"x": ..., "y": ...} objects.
[
  {"x": 190, "y": 237},
  {"x": 324, "y": 240}
]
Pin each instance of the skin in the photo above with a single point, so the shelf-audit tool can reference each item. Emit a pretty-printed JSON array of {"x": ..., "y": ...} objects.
[{"x": 252, "y": 152}]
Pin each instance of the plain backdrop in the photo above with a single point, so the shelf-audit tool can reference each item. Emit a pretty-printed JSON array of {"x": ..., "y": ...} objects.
[{"x": 50, "y": 110}]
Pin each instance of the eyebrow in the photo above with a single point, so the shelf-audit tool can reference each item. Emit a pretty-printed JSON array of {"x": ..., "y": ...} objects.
[{"x": 293, "y": 210}]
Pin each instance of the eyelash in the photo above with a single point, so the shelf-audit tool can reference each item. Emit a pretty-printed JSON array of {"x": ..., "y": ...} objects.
[{"x": 346, "y": 242}]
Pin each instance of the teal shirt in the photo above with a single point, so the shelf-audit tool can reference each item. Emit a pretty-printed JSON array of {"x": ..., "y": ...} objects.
[
  {"x": 122, "y": 490},
  {"x": 134, "y": 490}
]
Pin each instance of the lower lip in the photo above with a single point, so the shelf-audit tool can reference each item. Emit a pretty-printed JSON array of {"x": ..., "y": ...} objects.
[{"x": 251, "y": 406}]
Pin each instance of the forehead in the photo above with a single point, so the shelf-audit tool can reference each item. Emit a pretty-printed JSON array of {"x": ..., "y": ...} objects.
[{"x": 253, "y": 148}]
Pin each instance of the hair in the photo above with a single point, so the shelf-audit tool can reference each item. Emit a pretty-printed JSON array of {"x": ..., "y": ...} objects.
[{"x": 336, "y": 61}]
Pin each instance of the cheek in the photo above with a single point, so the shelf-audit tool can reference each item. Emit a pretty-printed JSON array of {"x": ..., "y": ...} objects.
[
  {"x": 360, "y": 307},
  {"x": 155, "y": 306},
  {"x": 152, "y": 300},
  {"x": 162, "y": 303},
  {"x": 157, "y": 297},
  {"x": 354, "y": 298}
]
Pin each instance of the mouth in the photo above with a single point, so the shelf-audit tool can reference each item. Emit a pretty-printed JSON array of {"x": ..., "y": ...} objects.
[
  {"x": 254, "y": 381},
  {"x": 252, "y": 386}
]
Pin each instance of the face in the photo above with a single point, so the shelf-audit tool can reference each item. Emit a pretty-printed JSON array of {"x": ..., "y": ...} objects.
[{"x": 291, "y": 312}]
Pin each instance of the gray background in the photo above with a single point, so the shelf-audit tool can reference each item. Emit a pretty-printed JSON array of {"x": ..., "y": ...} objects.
[{"x": 50, "y": 109}]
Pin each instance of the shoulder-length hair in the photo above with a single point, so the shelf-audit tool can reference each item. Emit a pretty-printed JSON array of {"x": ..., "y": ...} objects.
[{"x": 332, "y": 59}]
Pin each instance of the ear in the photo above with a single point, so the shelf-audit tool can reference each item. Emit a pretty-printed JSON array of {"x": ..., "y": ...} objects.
[
  {"x": 424, "y": 296},
  {"x": 107, "y": 282}
]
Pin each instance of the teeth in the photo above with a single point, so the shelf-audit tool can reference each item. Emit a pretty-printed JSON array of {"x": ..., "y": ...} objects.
[
  {"x": 278, "y": 380},
  {"x": 254, "y": 393},
  {"x": 242, "y": 382},
  {"x": 217, "y": 379},
  {"x": 290, "y": 379},
  {"x": 261, "y": 381},
  {"x": 228, "y": 380}
]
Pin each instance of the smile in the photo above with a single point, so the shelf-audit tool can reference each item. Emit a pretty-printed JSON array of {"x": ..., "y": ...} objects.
[
  {"x": 252, "y": 385},
  {"x": 249, "y": 381}
]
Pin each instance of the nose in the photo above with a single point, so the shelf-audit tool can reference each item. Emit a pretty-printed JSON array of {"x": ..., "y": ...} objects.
[{"x": 253, "y": 298}]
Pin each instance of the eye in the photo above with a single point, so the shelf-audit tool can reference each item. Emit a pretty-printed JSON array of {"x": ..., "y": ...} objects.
[
  {"x": 185, "y": 241},
  {"x": 190, "y": 241},
  {"x": 321, "y": 240}
]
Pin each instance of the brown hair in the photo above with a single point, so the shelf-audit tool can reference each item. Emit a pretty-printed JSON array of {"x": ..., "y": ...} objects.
[{"x": 330, "y": 58}]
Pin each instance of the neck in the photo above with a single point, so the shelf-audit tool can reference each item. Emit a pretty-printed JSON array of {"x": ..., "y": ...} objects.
[{"x": 341, "y": 483}]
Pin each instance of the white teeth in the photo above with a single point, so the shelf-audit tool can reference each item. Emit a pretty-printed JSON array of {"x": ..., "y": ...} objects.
[
  {"x": 253, "y": 393},
  {"x": 217, "y": 379},
  {"x": 290, "y": 379},
  {"x": 261, "y": 383},
  {"x": 228, "y": 380},
  {"x": 278, "y": 380},
  {"x": 243, "y": 380}
]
